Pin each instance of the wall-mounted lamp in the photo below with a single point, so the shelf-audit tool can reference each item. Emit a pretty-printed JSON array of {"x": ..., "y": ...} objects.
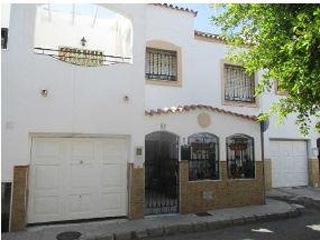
[
  {"x": 126, "y": 98},
  {"x": 83, "y": 41},
  {"x": 44, "y": 92}
]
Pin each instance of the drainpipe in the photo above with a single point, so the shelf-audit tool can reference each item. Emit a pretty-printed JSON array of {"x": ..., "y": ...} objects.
[
  {"x": 263, "y": 127},
  {"x": 318, "y": 147}
]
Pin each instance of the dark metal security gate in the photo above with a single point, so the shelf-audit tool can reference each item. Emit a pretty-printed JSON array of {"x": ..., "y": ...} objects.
[{"x": 161, "y": 173}]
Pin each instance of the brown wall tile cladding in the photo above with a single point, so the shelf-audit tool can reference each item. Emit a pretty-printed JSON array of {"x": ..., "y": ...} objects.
[
  {"x": 225, "y": 192},
  {"x": 268, "y": 173},
  {"x": 314, "y": 174},
  {"x": 136, "y": 192},
  {"x": 19, "y": 198}
]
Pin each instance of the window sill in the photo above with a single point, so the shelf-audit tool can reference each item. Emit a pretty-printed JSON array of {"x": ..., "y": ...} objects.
[
  {"x": 164, "y": 83},
  {"x": 240, "y": 104},
  {"x": 241, "y": 179},
  {"x": 205, "y": 180}
]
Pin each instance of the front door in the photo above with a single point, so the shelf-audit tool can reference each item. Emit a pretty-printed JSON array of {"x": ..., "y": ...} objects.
[{"x": 161, "y": 173}]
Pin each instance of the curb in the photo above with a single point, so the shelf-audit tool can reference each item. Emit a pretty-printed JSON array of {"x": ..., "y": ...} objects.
[{"x": 192, "y": 227}]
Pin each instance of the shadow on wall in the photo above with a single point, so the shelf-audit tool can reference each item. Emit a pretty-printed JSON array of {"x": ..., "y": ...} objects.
[{"x": 5, "y": 206}]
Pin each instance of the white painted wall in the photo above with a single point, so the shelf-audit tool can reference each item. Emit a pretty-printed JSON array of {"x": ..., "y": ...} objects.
[
  {"x": 5, "y": 14},
  {"x": 175, "y": 27},
  {"x": 112, "y": 35},
  {"x": 80, "y": 100}
]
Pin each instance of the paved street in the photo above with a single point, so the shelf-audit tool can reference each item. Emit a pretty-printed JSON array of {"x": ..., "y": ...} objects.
[
  {"x": 307, "y": 226},
  {"x": 293, "y": 228},
  {"x": 279, "y": 218}
]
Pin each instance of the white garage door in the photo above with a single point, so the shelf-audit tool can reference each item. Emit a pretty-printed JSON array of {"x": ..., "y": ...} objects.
[
  {"x": 289, "y": 163},
  {"x": 77, "y": 178}
]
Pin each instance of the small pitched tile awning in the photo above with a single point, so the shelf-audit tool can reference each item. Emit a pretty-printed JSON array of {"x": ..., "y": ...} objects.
[
  {"x": 171, "y": 6},
  {"x": 209, "y": 36},
  {"x": 187, "y": 108}
]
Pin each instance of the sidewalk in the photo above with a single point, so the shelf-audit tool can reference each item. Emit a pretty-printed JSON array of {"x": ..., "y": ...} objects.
[
  {"x": 123, "y": 229},
  {"x": 295, "y": 193}
]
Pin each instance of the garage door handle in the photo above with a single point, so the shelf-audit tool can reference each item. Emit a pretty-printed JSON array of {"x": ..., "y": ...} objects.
[{"x": 81, "y": 162}]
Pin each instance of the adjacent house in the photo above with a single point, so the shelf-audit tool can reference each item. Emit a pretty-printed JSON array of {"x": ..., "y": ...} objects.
[{"x": 124, "y": 110}]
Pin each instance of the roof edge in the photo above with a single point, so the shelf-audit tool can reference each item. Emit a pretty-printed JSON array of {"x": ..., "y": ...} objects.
[
  {"x": 209, "y": 36},
  {"x": 187, "y": 108},
  {"x": 174, "y": 7}
]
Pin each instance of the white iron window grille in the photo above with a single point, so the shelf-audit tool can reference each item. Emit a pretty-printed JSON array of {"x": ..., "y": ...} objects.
[
  {"x": 239, "y": 86},
  {"x": 240, "y": 156},
  {"x": 161, "y": 64}
]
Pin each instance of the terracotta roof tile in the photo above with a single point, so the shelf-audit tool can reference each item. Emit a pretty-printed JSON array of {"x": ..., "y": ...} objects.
[
  {"x": 187, "y": 108},
  {"x": 210, "y": 36},
  {"x": 174, "y": 7}
]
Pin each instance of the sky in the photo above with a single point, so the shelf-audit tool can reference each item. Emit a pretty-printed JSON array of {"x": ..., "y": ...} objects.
[{"x": 202, "y": 20}]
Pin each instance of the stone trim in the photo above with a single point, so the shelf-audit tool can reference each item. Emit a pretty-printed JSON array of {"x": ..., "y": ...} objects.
[
  {"x": 207, "y": 195},
  {"x": 19, "y": 198},
  {"x": 268, "y": 173},
  {"x": 314, "y": 173},
  {"x": 136, "y": 192}
]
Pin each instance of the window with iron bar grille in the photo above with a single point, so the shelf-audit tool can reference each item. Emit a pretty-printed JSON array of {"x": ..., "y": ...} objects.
[
  {"x": 161, "y": 65},
  {"x": 240, "y": 156},
  {"x": 238, "y": 85}
]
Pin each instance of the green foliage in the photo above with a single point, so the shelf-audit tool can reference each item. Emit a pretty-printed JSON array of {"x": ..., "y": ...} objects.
[{"x": 284, "y": 41}]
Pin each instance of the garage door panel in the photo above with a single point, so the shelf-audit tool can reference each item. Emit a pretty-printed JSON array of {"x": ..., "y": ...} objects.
[
  {"x": 113, "y": 176},
  {"x": 80, "y": 203},
  {"x": 47, "y": 151},
  {"x": 47, "y": 177},
  {"x": 114, "y": 202},
  {"x": 289, "y": 163},
  {"x": 46, "y": 205},
  {"x": 81, "y": 176},
  {"x": 77, "y": 179},
  {"x": 82, "y": 150}
]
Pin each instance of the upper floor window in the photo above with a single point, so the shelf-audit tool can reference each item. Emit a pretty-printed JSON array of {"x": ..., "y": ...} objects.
[
  {"x": 204, "y": 159},
  {"x": 238, "y": 85},
  {"x": 4, "y": 38},
  {"x": 161, "y": 64},
  {"x": 240, "y": 156}
]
